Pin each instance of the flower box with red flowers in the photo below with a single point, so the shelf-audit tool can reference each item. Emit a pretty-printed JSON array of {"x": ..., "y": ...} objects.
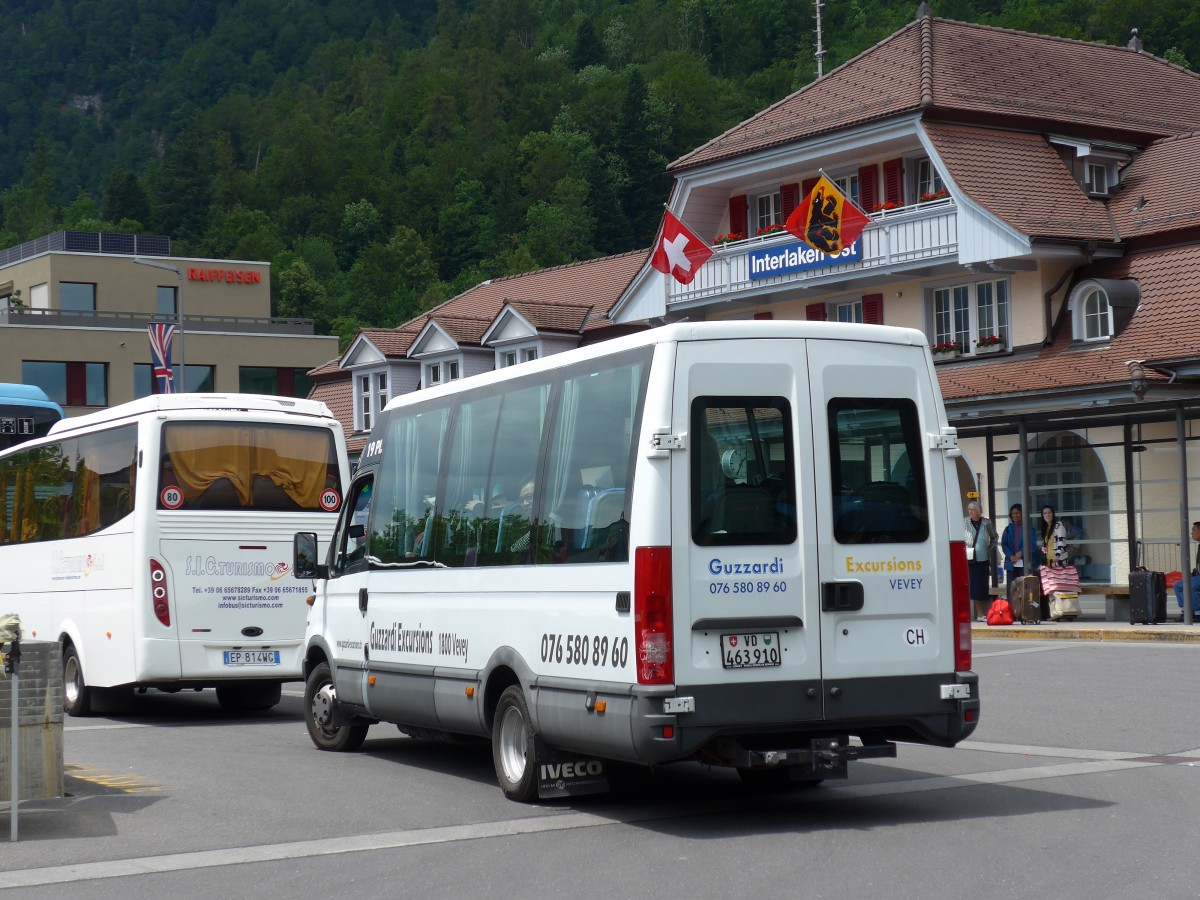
[
  {"x": 770, "y": 229},
  {"x": 930, "y": 196},
  {"x": 989, "y": 343},
  {"x": 946, "y": 348},
  {"x": 728, "y": 238}
]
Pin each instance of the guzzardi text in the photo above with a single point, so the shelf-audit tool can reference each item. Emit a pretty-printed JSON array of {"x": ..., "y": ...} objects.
[{"x": 717, "y": 566}]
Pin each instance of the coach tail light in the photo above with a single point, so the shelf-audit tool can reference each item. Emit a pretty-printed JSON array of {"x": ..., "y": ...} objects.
[
  {"x": 652, "y": 621},
  {"x": 159, "y": 596}
]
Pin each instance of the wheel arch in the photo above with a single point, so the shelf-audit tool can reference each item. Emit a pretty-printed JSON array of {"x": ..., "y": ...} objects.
[{"x": 506, "y": 668}]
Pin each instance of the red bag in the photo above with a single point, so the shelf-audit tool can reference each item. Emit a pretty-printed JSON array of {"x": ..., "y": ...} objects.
[{"x": 1000, "y": 613}]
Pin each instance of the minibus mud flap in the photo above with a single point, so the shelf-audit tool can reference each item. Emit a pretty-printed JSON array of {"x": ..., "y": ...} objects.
[
  {"x": 562, "y": 774},
  {"x": 824, "y": 756}
]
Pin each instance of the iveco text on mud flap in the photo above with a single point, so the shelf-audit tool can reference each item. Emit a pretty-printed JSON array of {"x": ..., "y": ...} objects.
[{"x": 728, "y": 542}]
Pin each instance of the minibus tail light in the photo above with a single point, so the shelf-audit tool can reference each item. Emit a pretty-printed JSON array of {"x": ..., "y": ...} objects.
[
  {"x": 960, "y": 588},
  {"x": 652, "y": 619},
  {"x": 159, "y": 596}
]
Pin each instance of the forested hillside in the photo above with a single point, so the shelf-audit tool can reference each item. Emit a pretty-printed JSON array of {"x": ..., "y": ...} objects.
[{"x": 387, "y": 154}]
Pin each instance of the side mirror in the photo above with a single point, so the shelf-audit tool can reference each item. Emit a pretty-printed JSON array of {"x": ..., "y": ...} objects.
[{"x": 304, "y": 556}]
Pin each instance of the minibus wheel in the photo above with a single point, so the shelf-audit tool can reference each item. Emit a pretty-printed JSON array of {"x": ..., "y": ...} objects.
[
  {"x": 319, "y": 701},
  {"x": 77, "y": 696},
  {"x": 514, "y": 750}
]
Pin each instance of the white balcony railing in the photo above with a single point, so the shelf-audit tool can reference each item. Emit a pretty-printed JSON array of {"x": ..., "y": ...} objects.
[{"x": 910, "y": 234}]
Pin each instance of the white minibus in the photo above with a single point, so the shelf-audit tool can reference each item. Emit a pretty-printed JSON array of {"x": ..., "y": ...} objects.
[
  {"x": 152, "y": 540},
  {"x": 738, "y": 543}
]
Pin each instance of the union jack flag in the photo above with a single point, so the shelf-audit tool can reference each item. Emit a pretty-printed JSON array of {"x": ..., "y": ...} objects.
[{"x": 161, "y": 334}]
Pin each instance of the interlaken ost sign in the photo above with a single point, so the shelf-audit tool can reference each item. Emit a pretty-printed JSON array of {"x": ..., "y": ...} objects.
[{"x": 228, "y": 276}]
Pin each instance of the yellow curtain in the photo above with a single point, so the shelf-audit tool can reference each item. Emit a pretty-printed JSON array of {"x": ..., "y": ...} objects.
[
  {"x": 87, "y": 489},
  {"x": 200, "y": 456},
  {"x": 4, "y": 508},
  {"x": 295, "y": 460},
  {"x": 29, "y": 522}
]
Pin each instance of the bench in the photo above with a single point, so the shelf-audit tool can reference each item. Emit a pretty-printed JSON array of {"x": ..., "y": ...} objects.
[{"x": 1116, "y": 598}]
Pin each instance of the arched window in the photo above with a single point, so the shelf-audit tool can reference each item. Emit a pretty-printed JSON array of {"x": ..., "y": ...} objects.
[
  {"x": 1097, "y": 316},
  {"x": 1101, "y": 307}
]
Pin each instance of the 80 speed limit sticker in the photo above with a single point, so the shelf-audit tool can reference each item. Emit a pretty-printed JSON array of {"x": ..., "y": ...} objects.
[{"x": 171, "y": 497}]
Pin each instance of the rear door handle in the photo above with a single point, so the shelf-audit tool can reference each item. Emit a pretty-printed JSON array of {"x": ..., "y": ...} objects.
[
  {"x": 362, "y": 600},
  {"x": 841, "y": 596}
]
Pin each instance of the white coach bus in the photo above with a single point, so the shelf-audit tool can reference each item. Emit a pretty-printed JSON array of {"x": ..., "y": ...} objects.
[
  {"x": 153, "y": 541},
  {"x": 738, "y": 543}
]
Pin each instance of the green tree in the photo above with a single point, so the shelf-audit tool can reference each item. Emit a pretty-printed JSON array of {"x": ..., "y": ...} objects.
[
  {"x": 182, "y": 188},
  {"x": 124, "y": 198}
]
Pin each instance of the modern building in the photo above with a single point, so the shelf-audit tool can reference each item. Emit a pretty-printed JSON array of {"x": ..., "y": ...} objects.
[
  {"x": 74, "y": 307},
  {"x": 1033, "y": 209}
]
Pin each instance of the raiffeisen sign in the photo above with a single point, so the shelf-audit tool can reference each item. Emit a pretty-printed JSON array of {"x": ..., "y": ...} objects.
[{"x": 228, "y": 276}]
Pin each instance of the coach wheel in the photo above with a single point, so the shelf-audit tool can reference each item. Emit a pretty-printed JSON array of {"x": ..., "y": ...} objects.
[
  {"x": 77, "y": 696},
  {"x": 514, "y": 750},
  {"x": 319, "y": 702}
]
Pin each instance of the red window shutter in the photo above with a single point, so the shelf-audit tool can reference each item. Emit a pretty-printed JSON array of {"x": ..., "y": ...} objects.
[
  {"x": 893, "y": 181},
  {"x": 807, "y": 186},
  {"x": 764, "y": 315},
  {"x": 285, "y": 382},
  {"x": 737, "y": 215},
  {"x": 872, "y": 306},
  {"x": 76, "y": 384},
  {"x": 789, "y": 199},
  {"x": 815, "y": 312},
  {"x": 868, "y": 186}
]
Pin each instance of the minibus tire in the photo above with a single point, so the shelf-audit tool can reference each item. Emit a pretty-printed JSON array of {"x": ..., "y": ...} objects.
[
  {"x": 338, "y": 738},
  {"x": 77, "y": 696},
  {"x": 514, "y": 749}
]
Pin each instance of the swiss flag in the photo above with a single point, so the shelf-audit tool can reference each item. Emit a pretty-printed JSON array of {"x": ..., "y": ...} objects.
[
  {"x": 826, "y": 220},
  {"x": 679, "y": 252}
]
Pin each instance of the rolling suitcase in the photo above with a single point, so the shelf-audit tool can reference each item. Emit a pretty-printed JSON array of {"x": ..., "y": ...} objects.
[
  {"x": 1025, "y": 597},
  {"x": 1147, "y": 598}
]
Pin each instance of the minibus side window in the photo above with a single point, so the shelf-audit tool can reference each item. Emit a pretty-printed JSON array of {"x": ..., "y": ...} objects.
[
  {"x": 742, "y": 471},
  {"x": 876, "y": 460}
]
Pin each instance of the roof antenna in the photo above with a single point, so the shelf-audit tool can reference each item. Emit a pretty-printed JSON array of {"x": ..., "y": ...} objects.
[
  {"x": 820, "y": 54},
  {"x": 1135, "y": 42}
]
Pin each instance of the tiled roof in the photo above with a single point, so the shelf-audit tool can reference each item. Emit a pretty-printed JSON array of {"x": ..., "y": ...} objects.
[
  {"x": 568, "y": 317},
  {"x": 1165, "y": 178},
  {"x": 336, "y": 394},
  {"x": 1163, "y": 328},
  {"x": 1019, "y": 177},
  {"x": 946, "y": 68},
  {"x": 326, "y": 369}
]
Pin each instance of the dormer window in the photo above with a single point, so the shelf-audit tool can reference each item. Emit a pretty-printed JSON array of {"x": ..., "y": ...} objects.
[
  {"x": 1097, "y": 178},
  {"x": 371, "y": 396},
  {"x": 514, "y": 355},
  {"x": 1101, "y": 307},
  {"x": 439, "y": 372}
]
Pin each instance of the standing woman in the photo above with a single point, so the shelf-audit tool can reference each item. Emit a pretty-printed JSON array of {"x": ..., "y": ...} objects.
[
  {"x": 1053, "y": 538},
  {"x": 1012, "y": 542},
  {"x": 981, "y": 547}
]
